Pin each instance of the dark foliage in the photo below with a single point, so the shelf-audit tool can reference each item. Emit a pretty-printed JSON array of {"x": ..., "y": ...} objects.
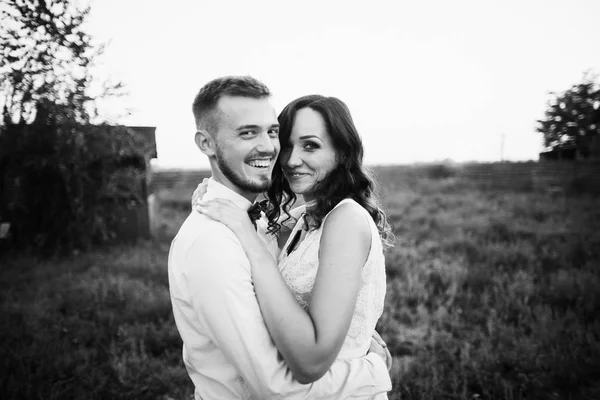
[{"x": 573, "y": 116}]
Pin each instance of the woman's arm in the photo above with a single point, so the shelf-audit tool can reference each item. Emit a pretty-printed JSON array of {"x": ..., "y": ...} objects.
[{"x": 309, "y": 341}]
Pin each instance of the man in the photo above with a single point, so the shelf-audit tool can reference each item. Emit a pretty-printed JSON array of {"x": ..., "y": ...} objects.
[{"x": 227, "y": 349}]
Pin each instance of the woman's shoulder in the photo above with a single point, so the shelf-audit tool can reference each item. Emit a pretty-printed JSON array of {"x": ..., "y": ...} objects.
[
  {"x": 348, "y": 207},
  {"x": 346, "y": 228},
  {"x": 348, "y": 214},
  {"x": 347, "y": 200}
]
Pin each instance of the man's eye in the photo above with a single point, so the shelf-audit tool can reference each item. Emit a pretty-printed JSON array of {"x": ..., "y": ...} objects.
[
  {"x": 247, "y": 133},
  {"x": 274, "y": 132}
]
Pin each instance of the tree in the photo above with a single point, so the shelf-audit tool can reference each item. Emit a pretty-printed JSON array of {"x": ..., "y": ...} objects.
[
  {"x": 55, "y": 180},
  {"x": 46, "y": 59},
  {"x": 573, "y": 116}
]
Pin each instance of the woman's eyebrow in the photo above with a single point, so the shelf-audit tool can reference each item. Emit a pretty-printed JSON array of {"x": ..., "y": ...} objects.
[{"x": 309, "y": 137}]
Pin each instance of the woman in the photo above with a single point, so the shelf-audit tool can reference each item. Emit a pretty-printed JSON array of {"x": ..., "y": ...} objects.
[{"x": 325, "y": 297}]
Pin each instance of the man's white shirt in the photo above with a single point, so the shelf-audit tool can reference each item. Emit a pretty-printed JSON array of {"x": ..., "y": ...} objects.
[{"x": 227, "y": 350}]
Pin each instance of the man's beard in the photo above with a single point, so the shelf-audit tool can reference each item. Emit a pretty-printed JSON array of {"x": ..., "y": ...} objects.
[{"x": 236, "y": 179}]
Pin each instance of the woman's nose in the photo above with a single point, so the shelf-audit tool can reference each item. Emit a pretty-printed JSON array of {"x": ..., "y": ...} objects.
[{"x": 293, "y": 158}]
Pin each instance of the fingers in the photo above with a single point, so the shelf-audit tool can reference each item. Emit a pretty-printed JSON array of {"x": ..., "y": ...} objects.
[
  {"x": 194, "y": 198},
  {"x": 217, "y": 201},
  {"x": 221, "y": 210},
  {"x": 376, "y": 347},
  {"x": 208, "y": 209},
  {"x": 228, "y": 213},
  {"x": 388, "y": 359},
  {"x": 203, "y": 186},
  {"x": 380, "y": 351},
  {"x": 385, "y": 352},
  {"x": 214, "y": 203},
  {"x": 379, "y": 339},
  {"x": 373, "y": 344},
  {"x": 199, "y": 192}
]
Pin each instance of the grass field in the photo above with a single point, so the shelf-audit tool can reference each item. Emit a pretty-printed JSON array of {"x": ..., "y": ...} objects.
[{"x": 491, "y": 295}]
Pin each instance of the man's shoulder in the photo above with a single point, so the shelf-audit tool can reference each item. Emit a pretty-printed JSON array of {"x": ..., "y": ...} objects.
[
  {"x": 198, "y": 228},
  {"x": 203, "y": 246}
]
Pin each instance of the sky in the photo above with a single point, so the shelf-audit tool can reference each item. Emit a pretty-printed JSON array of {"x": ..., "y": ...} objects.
[{"x": 425, "y": 81}]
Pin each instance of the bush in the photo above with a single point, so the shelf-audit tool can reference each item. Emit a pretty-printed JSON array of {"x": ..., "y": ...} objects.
[{"x": 441, "y": 171}]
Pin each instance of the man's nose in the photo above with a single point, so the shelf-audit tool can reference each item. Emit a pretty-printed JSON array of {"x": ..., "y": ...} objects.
[{"x": 266, "y": 143}]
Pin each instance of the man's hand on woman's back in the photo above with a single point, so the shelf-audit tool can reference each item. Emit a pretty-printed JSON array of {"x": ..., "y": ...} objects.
[{"x": 379, "y": 347}]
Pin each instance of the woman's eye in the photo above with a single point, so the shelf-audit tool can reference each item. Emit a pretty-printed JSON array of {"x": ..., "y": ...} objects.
[{"x": 311, "y": 146}]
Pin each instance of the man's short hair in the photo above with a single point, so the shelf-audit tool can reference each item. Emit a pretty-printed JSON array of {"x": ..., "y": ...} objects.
[{"x": 206, "y": 100}]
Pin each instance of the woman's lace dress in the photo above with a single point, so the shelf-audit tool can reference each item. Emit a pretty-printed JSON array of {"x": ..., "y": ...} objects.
[{"x": 299, "y": 269}]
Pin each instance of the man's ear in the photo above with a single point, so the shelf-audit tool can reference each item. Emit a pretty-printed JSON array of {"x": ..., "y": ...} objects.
[{"x": 205, "y": 142}]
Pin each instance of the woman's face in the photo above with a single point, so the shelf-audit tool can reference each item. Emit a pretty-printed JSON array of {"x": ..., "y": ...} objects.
[{"x": 309, "y": 155}]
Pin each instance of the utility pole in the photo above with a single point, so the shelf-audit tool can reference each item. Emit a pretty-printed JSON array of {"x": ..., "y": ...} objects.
[{"x": 502, "y": 147}]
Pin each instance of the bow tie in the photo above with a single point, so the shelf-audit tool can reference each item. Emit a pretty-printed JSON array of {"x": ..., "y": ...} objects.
[{"x": 255, "y": 210}]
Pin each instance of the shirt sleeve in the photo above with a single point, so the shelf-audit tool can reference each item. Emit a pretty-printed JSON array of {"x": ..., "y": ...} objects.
[{"x": 218, "y": 276}]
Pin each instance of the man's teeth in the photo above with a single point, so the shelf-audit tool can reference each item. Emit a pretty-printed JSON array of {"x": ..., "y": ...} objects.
[{"x": 260, "y": 163}]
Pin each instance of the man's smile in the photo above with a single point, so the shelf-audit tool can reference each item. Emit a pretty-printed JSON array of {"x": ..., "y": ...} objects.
[{"x": 260, "y": 162}]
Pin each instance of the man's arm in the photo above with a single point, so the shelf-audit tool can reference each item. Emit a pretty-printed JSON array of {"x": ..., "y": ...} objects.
[{"x": 218, "y": 275}]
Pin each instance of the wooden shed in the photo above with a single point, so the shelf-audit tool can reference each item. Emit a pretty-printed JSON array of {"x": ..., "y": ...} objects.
[{"x": 127, "y": 197}]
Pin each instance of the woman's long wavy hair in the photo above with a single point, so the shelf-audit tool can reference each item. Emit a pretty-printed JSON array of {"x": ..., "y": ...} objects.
[{"x": 349, "y": 179}]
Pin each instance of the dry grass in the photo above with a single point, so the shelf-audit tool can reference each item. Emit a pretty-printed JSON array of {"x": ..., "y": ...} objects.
[
  {"x": 96, "y": 326},
  {"x": 491, "y": 295}
]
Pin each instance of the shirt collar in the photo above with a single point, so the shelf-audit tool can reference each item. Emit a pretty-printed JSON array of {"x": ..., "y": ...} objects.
[{"x": 216, "y": 190}]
